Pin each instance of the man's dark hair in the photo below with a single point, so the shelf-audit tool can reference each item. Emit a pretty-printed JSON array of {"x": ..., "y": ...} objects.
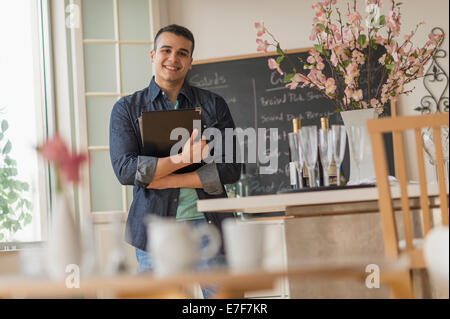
[{"x": 177, "y": 30}]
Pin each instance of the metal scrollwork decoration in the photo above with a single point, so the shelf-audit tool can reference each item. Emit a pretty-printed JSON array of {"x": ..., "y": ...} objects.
[
  {"x": 435, "y": 76},
  {"x": 436, "y": 81}
]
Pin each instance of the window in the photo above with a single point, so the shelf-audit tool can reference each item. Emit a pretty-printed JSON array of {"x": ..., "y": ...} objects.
[
  {"x": 111, "y": 52},
  {"x": 23, "y": 116}
]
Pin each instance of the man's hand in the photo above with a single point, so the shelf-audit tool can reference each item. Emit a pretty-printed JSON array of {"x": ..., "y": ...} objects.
[{"x": 195, "y": 151}]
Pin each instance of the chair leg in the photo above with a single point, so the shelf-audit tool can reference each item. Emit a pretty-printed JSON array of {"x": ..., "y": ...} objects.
[{"x": 401, "y": 287}]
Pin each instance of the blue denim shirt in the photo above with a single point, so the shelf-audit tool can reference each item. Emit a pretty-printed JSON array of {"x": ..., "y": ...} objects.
[{"x": 133, "y": 168}]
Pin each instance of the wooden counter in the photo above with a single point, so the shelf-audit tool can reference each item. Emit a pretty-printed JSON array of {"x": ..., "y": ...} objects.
[{"x": 338, "y": 224}]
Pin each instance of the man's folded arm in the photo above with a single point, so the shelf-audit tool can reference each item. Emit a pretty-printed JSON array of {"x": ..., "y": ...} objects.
[{"x": 129, "y": 167}]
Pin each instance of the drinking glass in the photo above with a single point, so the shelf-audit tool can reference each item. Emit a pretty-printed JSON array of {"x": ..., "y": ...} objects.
[
  {"x": 429, "y": 148},
  {"x": 308, "y": 143},
  {"x": 294, "y": 148},
  {"x": 339, "y": 139},
  {"x": 326, "y": 152},
  {"x": 357, "y": 142},
  {"x": 299, "y": 164}
]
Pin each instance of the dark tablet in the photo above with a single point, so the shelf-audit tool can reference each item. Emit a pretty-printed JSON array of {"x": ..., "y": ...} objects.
[{"x": 156, "y": 127}]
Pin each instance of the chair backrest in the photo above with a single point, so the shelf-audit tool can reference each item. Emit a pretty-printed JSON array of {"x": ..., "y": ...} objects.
[{"x": 396, "y": 126}]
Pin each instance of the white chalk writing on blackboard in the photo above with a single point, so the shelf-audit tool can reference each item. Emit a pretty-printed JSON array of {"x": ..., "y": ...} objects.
[{"x": 209, "y": 80}]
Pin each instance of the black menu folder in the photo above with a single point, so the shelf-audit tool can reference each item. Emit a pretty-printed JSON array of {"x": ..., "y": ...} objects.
[{"x": 156, "y": 126}]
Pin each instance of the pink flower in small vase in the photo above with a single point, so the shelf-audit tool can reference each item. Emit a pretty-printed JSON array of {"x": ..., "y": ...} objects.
[
  {"x": 68, "y": 163},
  {"x": 55, "y": 149},
  {"x": 273, "y": 65},
  {"x": 71, "y": 167}
]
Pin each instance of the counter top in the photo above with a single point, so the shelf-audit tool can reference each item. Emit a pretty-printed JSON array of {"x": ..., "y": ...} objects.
[{"x": 367, "y": 197}]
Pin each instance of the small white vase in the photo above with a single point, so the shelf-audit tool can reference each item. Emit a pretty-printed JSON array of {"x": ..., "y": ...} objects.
[
  {"x": 359, "y": 118},
  {"x": 64, "y": 244}
]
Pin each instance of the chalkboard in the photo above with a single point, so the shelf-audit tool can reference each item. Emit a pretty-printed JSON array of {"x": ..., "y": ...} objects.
[{"x": 258, "y": 98}]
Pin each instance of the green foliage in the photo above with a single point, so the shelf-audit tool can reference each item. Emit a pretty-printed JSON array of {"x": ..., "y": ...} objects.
[{"x": 14, "y": 208}]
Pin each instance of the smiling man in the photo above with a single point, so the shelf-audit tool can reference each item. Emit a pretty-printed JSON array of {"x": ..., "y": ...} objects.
[{"x": 157, "y": 190}]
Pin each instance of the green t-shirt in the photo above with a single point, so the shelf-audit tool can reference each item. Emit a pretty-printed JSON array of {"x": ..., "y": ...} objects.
[{"x": 187, "y": 200}]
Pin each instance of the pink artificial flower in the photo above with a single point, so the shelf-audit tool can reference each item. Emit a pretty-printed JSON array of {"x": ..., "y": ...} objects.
[
  {"x": 379, "y": 109},
  {"x": 330, "y": 86},
  {"x": 320, "y": 66},
  {"x": 71, "y": 167},
  {"x": 260, "y": 28},
  {"x": 358, "y": 57},
  {"x": 314, "y": 53},
  {"x": 352, "y": 70},
  {"x": 354, "y": 18},
  {"x": 358, "y": 95},
  {"x": 348, "y": 35},
  {"x": 349, "y": 80},
  {"x": 348, "y": 92},
  {"x": 433, "y": 39},
  {"x": 373, "y": 102},
  {"x": 382, "y": 59},
  {"x": 262, "y": 45},
  {"x": 55, "y": 150},
  {"x": 296, "y": 79},
  {"x": 393, "y": 23},
  {"x": 310, "y": 59},
  {"x": 273, "y": 65},
  {"x": 334, "y": 60},
  {"x": 374, "y": 2}
]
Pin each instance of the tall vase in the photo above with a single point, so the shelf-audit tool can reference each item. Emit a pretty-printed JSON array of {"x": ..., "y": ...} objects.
[
  {"x": 359, "y": 118},
  {"x": 64, "y": 243}
]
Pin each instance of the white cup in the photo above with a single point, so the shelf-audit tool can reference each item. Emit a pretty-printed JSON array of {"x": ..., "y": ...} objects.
[
  {"x": 175, "y": 246},
  {"x": 244, "y": 244}
]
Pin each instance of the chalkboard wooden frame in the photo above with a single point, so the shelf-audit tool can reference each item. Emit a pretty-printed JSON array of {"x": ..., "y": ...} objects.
[{"x": 207, "y": 62}]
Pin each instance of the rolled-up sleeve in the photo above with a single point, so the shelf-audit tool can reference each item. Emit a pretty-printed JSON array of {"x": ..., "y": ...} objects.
[
  {"x": 214, "y": 175},
  {"x": 129, "y": 167},
  {"x": 145, "y": 172},
  {"x": 209, "y": 176}
]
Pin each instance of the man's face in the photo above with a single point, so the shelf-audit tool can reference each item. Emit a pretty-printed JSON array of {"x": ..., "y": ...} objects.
[{"x": 172, "y": 58}]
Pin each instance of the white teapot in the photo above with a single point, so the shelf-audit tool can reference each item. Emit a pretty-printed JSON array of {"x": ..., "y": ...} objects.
[{"x": 176, "y": 247}]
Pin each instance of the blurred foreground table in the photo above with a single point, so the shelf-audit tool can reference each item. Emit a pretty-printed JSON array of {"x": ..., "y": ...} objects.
[{"x": 229, "y": 284}]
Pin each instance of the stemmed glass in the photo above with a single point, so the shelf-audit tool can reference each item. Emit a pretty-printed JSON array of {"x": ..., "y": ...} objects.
[
  {"x": 339, "y": 139},
  {"x": 357, "y": 142},
  {"x": 326, "y": 152},
  {"x": 428, "y": 145},
  {"x": 296, "y": 156},
  {"x": 308, "y": 143}
]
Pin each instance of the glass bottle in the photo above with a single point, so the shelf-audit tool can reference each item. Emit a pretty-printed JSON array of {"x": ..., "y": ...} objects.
[
  {"x": 293, "y": 174},
  {"x": 242, "y": 189}
]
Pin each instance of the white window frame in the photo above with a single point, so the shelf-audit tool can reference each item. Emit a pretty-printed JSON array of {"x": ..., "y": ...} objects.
[
  {"x": 80, "y": 95},
  {"x": 45, "y": 124}
]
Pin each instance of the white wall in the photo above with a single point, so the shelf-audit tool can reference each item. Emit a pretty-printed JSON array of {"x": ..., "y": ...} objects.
[{"x": 226, "y": 28}]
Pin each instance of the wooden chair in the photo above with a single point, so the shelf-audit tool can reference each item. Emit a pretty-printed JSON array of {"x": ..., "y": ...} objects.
[{"x": 397, "y": 125}]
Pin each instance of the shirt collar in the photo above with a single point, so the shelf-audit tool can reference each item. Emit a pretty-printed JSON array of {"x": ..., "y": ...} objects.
[{"x": 155, "y": 90}]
